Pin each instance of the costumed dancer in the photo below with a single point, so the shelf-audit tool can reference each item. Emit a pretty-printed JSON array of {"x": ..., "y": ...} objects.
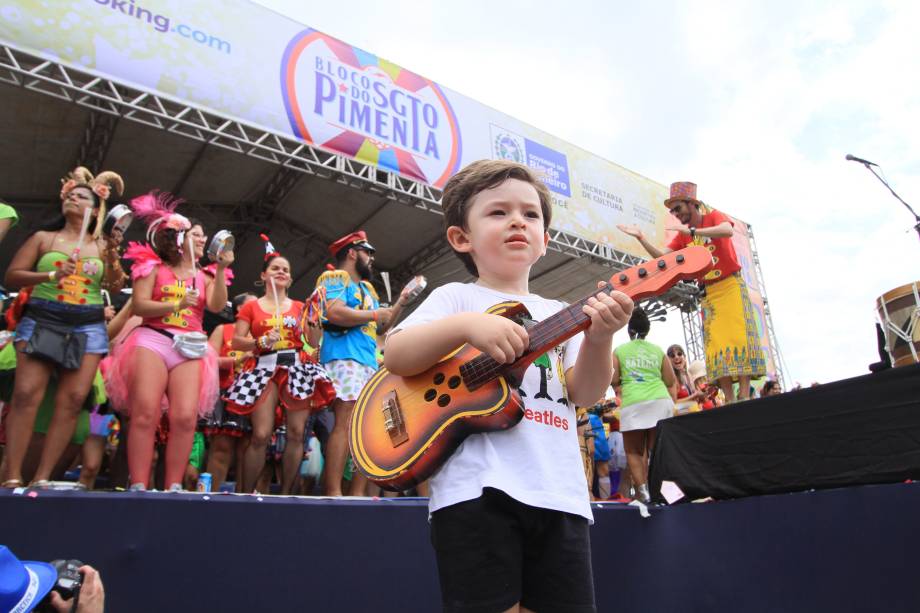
[
  {"x": 730, "y": 336},
  {"x": 647, "y": 383},
  {"x": 352, "y": 318},
  {"x": 281, "y": 371},
  {"x": 227, "y": 432},
  {"x": 8, "y": 219},
  {"x": 166, "y": 363},
  {"x": 62, "y": 331}
]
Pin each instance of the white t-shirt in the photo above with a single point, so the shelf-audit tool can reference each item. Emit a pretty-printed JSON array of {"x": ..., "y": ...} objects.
[{"x": 536, "y": 462}]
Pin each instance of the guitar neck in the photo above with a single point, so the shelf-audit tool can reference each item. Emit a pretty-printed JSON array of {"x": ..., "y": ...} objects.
[
  {"x": 544, "y": 335},
  {"x": 556, "y": 329},
  {"x": 642, "y": 281}
]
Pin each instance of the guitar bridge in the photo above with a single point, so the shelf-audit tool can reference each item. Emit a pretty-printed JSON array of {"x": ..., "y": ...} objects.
[{"x": 393, "y": 420}]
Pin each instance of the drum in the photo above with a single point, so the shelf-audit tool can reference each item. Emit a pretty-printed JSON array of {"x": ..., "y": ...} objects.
[{"x": 899, "y": 312}]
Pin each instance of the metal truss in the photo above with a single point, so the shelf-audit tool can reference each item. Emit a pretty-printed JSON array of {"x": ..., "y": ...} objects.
[
  {"x": 97, "y": 137},
  {"x": 693, "y": 334},
  {"x": 778, "y": 360},
  {"x": 419, "y": 260},
  {"x": 280, "y": 185},
  {"x": 104, "y": 95}
]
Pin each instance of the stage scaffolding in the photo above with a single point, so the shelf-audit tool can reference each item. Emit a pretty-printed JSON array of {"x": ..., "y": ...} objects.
[{"x": 119, "y": 100}]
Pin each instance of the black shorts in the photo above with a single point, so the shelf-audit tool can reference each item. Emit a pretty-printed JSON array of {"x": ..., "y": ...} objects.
[{"x": 494, "y": 551}]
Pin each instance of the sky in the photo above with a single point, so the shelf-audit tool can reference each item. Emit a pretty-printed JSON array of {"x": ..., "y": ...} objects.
[{"x": 756, "y": 102}]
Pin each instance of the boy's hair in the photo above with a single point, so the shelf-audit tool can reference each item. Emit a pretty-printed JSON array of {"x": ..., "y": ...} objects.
[{"x": 480, "y": 176}]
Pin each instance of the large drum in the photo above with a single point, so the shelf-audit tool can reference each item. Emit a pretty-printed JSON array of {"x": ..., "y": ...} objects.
[{"x": 899, "y": 313}]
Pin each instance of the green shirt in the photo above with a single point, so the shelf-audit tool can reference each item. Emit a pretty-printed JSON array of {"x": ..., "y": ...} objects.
[
  {"x": 83, "y": 287},
  {"x": 640, "y": 372},
  {"x": 8, "y": 212}
]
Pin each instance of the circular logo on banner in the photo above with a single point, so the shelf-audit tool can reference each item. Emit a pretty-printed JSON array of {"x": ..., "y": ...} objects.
[
  {"x": 508, "y": 148},
  {"x": 349, "y": 101}
]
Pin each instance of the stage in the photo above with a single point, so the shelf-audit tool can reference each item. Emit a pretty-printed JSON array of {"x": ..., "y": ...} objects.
[
  {"x": 818, "y": 546},
  {"x": 844, "y": 550}
]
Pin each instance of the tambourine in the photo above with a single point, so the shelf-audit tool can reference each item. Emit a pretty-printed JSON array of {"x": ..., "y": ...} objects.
[
  {"x": 222, "y": 242},
  {"x": 119, "y": 218}
]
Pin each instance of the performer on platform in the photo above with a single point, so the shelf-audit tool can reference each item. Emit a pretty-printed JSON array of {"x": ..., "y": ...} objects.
[
  {"x": 270, "y": 327},
  {"x": 648, "y": 392},
  {"x": 352, "y": 317},
  {"x": 8, "y": 218},
  {"x": 510, "y": 509},
  {"x": 227, "y": 432},
  {"x": 62, "y": 330},
  {"x": 730, "y": 336},
  {"x": 166, "y": 363}
]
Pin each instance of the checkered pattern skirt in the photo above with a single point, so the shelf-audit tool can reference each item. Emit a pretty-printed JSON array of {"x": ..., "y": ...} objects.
[{"x": 303, "y": 385}]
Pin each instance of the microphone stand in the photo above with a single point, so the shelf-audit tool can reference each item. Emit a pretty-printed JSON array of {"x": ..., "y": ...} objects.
[{"x": 885, "y": 183}]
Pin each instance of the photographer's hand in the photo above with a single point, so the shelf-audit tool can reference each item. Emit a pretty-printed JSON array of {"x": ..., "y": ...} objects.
[{"x": 92, "y": 594}]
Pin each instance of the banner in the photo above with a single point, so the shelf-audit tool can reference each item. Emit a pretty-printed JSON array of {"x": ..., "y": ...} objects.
[
  {"x": 744, "y": 249},
  {"x": 243, "y": 61}
]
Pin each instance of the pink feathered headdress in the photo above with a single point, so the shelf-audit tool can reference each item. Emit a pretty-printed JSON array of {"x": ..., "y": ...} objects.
[{"x": 158, "y": 210}]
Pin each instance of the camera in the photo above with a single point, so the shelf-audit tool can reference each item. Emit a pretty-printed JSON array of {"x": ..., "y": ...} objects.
[{"x": 68, "y": 584}]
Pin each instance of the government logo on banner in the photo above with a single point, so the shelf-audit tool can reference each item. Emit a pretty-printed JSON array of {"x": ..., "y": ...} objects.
[
  {"x": 551, "y": 165},
  {"x": 352, "y": 102}
]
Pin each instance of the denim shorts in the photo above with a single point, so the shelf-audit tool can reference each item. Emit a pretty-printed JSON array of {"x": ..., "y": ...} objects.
[{"x": 97, "y": 339}]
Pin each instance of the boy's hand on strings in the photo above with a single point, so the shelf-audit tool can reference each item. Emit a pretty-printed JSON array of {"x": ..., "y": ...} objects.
[
  {"x": 608, "y": 313},
  {"x": 498, "y": 337}
]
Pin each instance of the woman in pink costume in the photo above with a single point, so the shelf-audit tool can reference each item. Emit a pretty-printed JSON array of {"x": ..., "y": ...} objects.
[{"x": 167, "y": 362}]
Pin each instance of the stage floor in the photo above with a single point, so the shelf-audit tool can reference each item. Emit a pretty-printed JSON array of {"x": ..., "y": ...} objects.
[{"x": 849, "y": 549}]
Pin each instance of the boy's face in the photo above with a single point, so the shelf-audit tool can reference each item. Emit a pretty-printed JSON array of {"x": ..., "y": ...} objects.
[{"x": 505, "y": 234}]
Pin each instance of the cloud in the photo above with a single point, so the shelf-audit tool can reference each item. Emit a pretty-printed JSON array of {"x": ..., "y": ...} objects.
[{"x": 756, "y": 102}]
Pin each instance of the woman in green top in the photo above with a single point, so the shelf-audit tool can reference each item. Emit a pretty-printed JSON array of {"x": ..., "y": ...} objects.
[
  {"x": 8, "y": 219},
  {"x": 646, "y": 379},
  {"x": 62, "y": 329}
]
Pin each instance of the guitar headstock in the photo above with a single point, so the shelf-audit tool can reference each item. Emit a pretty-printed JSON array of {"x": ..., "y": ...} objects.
[{"x": 658, "y": 274}]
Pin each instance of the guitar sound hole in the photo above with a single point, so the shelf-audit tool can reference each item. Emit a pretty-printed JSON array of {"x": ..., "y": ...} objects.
[
  {"x": 439, "y": 378},
  {"x": 430, "y": 395},
  {"x": 443, "y": 400},
  {"x": 453, "y": 382}
]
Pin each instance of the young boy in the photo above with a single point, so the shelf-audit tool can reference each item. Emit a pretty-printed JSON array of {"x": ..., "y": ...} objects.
[{"x": 510, "y": 509}]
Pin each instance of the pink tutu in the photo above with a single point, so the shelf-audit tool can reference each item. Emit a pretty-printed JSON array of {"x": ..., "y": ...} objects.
[{"x": 121, "y": 374}]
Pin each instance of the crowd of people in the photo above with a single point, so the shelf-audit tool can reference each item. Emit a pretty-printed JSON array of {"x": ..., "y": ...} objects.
[
  {"x": 135, "y": 392},
  {"x": 142, "y": 392}
]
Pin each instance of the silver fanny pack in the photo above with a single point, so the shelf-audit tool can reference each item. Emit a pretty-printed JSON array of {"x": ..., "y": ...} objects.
[{"x": 191, "y": 344}]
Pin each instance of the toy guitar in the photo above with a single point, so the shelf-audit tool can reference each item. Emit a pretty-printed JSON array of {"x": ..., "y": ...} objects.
[{"x": 404, "y": 428}]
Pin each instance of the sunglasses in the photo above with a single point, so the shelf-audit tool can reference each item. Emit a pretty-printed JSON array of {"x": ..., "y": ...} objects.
[{"x": 675, "y": 355}]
